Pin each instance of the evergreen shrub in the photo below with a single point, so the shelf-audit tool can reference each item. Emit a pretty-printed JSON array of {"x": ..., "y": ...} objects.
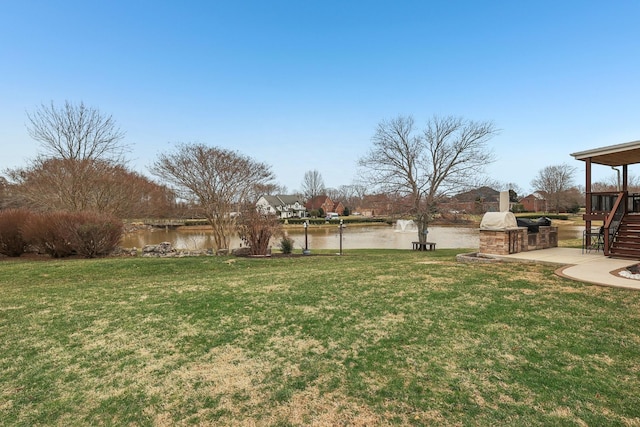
[{"x": 286, "y": 245}]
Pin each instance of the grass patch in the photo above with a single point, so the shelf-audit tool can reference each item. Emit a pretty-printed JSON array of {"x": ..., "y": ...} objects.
[{"x": 373, "y": 337}]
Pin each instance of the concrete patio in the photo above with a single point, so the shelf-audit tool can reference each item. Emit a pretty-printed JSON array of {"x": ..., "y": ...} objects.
[{"x": 592, "y": 267}]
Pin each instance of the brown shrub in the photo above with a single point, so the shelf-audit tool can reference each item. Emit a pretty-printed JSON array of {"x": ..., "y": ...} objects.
[
  {"x": 48, "y": 233},
  {"x": 62, "y": 233},
  {"x": 256, "y": 228},
  {"x": 94, "y": 234},
  {"x": 12, "y": 242}
]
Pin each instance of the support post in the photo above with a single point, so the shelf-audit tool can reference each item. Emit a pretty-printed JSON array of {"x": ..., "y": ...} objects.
[{"x": 587, "y": 187}]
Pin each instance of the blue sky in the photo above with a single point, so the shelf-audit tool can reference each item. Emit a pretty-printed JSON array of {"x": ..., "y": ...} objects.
[{"x": 301, "y": 85}]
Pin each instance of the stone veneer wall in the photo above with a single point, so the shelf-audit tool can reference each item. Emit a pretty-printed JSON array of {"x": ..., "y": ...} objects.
[
  {"x": 497, "y": 242},
  {"x": 546, "y": 237}
]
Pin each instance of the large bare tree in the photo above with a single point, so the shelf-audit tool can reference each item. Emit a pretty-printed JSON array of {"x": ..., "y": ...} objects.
[
  {"x": 555, "y": 181},
  {"x": 76, "y": 132},
  {"x": 217, "y": 179},
  {"x": 312, "y": 184},
  {"x": 87, "y": 185},
  {"x": 447, "y": 156},
  {"x": 80, "y": 165}
]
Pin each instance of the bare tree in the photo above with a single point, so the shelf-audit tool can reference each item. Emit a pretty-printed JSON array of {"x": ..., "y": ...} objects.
[
  {"x": 312, "y": 184},
  {"x": 218, "y": 180},
  {"x": 353, "y": 195},
  {"x": 555, "y": 181},
  {"x": 511, "y": 187},
  {"x": 76, "y": 132},
  {"x": 333, "y": 193},
  {"x": 56, "y": 184},
  {"x": 87, "y": 185},
  {"x": 81, "y": 166},
  {"x": 270, "y": 189},
  {"x": 5, "y": 193},
  {"x": 447, "y": 156},
  {"x": 612, "y": 183}
]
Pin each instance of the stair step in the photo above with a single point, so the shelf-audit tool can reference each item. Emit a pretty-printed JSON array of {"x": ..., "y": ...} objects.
[
  {"x": 616, "y": 247},
  {"x": 634, "y": 257},
  {"x": 629, "y": 236},
  {"x": 630, "y": 241},
  {"x": 623, "y": 244},
  {"x": 632, "y": 249},
  {"x": 626, "y": 243},
  {"x": 625, "y": 254},
  {"x": 628, "y": 228}
]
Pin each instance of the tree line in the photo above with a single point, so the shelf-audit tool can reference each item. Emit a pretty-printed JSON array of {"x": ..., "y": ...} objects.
[{"x": 82, "y": 167}]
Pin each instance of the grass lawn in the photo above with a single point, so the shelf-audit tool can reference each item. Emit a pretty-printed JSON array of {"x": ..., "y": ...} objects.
[{"x": 370, "y": 338}]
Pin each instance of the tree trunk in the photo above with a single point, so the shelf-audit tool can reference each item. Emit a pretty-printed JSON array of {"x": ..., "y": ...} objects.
[
  {"x": 422, "y": 221},
  {"x": 220, "y": 233}
]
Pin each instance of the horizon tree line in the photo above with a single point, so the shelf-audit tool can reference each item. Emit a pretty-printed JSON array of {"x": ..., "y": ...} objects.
[{"x": 82, "y": 166}]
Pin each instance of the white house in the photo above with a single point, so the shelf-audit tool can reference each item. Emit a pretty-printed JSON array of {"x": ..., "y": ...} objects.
[{"x": 283, "y": 206}]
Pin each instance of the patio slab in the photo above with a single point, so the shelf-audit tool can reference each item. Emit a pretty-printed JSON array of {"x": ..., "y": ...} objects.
[{"x": 592, "y": 267}]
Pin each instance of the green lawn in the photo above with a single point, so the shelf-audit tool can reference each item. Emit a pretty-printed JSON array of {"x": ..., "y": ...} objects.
[{"x": 369, "y": 338}]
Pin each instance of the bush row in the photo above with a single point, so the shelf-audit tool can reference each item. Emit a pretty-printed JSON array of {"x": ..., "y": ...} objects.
[{"x": 58, "y": 234}]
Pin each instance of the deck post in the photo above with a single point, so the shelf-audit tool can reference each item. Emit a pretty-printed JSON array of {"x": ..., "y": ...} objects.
[
  {"x": 587, "y": 187},
  {"x": 625, "y": 183}
]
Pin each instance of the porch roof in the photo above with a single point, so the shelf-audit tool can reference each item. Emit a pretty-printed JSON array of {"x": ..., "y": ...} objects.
[{"x": 612, "y": 155}]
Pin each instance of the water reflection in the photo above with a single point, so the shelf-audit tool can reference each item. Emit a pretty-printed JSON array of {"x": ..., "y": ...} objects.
[
  {"x": 354, "y": 237},
  {"x": 387, "y": 238}
]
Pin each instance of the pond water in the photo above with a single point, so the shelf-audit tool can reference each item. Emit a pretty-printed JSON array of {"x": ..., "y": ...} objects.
[{"x": 398, "y": 236}]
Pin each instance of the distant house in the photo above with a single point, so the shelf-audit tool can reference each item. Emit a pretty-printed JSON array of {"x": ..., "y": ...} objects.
[
  {"x": 326, "y": 204},
  {"x": 535, "y": 202},
  {"x": 383, "y": 205},
  {"x": 478, "y": 200},
  {"x": 282, "y": 205}
]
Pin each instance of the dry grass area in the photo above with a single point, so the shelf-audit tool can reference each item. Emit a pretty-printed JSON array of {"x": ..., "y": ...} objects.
[{"x": 370, "y": 338}]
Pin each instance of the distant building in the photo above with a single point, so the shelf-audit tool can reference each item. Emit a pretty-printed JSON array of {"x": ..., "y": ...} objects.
[
  {"x": 282, "y": 205},
  {"x": 478, "y": 200},
  {"x": 535, "y": 202},
  {"x": 325, "y": 203},
  {"x": 384, "y": 205}
]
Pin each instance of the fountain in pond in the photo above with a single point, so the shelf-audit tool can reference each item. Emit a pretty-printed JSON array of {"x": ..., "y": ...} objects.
[{"x": 406, "y": 225}]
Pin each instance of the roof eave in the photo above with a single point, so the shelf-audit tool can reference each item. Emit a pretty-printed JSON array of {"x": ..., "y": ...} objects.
[{"x": 611, "y": 149}]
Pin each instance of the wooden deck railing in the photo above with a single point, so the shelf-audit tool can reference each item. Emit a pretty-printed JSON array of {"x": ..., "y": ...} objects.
[{"x": 613, "y": 220}]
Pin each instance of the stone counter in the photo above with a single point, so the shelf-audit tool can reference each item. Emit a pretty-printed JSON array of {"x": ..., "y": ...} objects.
[{"x": 517, "y": 239}]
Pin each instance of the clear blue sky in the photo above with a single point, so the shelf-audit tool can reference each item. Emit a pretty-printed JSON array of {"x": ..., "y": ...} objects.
[{"x": 301, "y": 85}]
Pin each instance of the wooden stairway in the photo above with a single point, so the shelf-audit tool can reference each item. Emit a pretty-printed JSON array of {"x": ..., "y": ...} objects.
[{"x": 626, "y": 243}]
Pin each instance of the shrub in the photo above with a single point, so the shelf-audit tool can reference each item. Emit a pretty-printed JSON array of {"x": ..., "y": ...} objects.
[
  {"x": 94, "y": 234},
  {"x": 12, "y": 241},
  {"x": 47, "y": 233},
  {"x": 62, "y": 234},
  {"x": 286, "y": 245},
  {"x": 256, "y": 228}
]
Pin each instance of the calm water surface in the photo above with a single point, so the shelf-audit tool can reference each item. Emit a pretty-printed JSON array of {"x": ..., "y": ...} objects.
[{"x": 353, "y": 237}]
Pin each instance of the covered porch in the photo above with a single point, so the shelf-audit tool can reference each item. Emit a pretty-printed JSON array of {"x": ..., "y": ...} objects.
[{"x": 619, "y": 211}]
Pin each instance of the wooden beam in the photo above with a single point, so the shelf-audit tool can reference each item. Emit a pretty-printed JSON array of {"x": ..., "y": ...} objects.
[{"x": 587, "y": 186}]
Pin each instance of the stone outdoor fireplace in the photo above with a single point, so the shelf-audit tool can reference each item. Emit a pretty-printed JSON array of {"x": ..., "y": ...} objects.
[{"x": 502, "y": 234}]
